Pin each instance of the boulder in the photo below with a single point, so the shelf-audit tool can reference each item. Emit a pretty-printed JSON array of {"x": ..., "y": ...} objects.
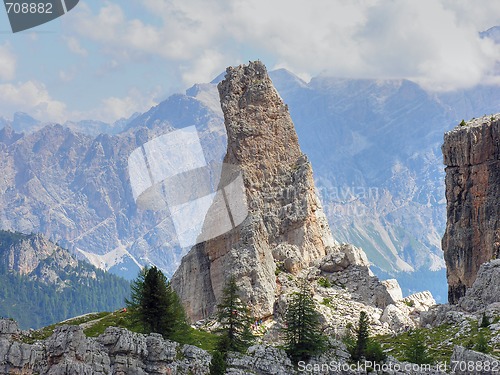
[{"x": 485, "y": 290}]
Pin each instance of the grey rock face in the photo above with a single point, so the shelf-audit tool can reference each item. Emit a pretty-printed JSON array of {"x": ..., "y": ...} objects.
[
  {"x": 68, "y": 351},
  {"x": 396, "y": 318},
  {"x": 283, "y": 208},
  {"x": 485, "y": 290},
  {"x": 75, "y": 189},
  {"x": 420, "y": 300},
  {"x": 342, "y": 256},
  {"x": 472, "y": 236},
  {"x": 117, "y": 351},
  {"x": 472, "y": 362},
  {"x": 363, "y": 286},
  {"x": 8, "y": 327},
  {"x": 393, "y": 289},
  {"x": 260, "y": 359}
]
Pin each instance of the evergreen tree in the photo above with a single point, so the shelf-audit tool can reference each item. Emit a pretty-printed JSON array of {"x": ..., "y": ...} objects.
[
  {"x": 218, "y": 364},
  {"x": 303, "y": 334},
  {"x": 156, "y": 306},
  {"x": 416, "y": 349},
  {"x": 362, "y": 336},
  {"x": 482, "y": 343},
  {"x": 485, "y": 322},
  {"x": 234, "y": 318},
  {"x": 374, "y": 352}
]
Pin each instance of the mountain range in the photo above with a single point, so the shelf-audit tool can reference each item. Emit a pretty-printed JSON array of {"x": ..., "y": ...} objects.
[
  {"x": 374, "y": 146},
  {"x": 43, "y": 283}
]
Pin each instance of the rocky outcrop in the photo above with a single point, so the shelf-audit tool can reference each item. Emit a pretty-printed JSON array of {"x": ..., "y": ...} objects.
[
  {"x": 260, "y": 359},
  {"x": 482, "y": 299},
  {"x": 465, "y": 362},
  {"x": 471, "y": 155},
  {"x": 117, "y": 351},
  {"x": 485, "y": 290},
  {"x": 36, "y": 257},
  {"x": 393, "y": 288},
  {"x": 285, "y": 221}
]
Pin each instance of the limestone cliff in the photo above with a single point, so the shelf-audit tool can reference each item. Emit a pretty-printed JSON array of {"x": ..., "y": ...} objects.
[
  {"x": 471, "y": 154},
  {"x": 117, "y": 351},
  {"x": 36, "y": 257},
  {"x": 285, "y": 223}
]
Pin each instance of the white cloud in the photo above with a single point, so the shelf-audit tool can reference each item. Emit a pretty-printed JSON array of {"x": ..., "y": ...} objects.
[
  {"x": 74, "y": 46},
  {"x": 7, "y": 63},
  {"x": 428, "y": 42},
  {"x": 206, "y": 65},
  {"x": 435, "y": 42},
  {"x": 114, "y": 108},
  {"x": 31, "y": 97}
]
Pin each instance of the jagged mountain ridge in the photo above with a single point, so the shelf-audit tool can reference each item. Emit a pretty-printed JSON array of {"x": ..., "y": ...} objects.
[
  {"x": 353, "y": 132},
  {"x": 23, "y": 123},
  {"x": 380, "y": 170},
  {"x": 43, "y": 283},
  {"x": 75, "y": 189}
]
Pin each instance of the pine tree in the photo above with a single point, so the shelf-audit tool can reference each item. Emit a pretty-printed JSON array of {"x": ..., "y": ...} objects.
[
  {"x": 416, "y": 349},
  {"x": 218, "y": 364},
  {"x": 234, "y": 318},
  {"x": 303, "y": 334},
  {"x": 485, "y": 322},
  {"x": 374, "y": 352},
  {"x": 362, "y": 337},
  {"x": 156, "y": 306},
  {"x": 482, "y": 343}
]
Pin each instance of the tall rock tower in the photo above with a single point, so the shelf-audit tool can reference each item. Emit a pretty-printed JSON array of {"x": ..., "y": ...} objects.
[
  {"x": 285, "y": 221},
  {"x": 472, "y": 158}
]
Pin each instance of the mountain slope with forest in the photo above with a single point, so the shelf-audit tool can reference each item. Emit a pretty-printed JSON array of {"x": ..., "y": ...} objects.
[{"x": 42, "y": 283}]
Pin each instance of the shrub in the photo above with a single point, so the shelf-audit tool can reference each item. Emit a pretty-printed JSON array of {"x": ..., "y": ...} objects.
[
  {"x": 484, "y": 321},
  {"x": 481, "y": 343},
  {"x": 374, "y": 352},
  {"x": 416, "y": 349},
  {"x": 324, "y": 282},
  {"x": 217, "y": 364}
]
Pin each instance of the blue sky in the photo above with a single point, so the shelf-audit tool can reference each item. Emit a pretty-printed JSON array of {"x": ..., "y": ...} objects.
[{"x": 108, "y": 59}]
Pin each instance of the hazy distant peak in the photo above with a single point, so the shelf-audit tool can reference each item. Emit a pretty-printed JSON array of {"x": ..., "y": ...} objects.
[
  {"x": 492, "y": 33},
  {"x": 8, "y": 134},
  {"x": 207, "y": 94},
  {"x": 23, "y": 116},
  {"x": 328, "y": 81},
  {"x": 286, "y": 80},
  {"x": 283, "y": 73},
  {"x": 218, "y": 79}
]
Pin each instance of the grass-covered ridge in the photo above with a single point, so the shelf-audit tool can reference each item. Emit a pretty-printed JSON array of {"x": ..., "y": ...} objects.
[
  {"x": 95, "y": 324},
  {"x": 441, "y": 340}
]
